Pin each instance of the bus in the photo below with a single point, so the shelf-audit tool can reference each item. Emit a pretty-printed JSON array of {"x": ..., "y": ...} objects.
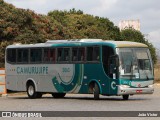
[{"x": 80, "y": 66}]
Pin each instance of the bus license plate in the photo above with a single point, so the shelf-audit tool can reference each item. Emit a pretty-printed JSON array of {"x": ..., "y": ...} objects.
[{"x": 138, "y": 91}]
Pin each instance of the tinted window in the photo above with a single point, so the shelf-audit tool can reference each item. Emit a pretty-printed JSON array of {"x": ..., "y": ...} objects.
[
  {"x": 11, "y": 55},
  {"x": 60, "y": 54},
  {"x": 22, "y": 55},
  {"x": 74, "y": 54},
  {"x": 49, "y": 55},
  {"x": 66, "y": 54},
  {"x": 63, "y": 54},
  {"x": 78, "y": 54},
  {"x": 93, "y": 53},
  {"x": 35, "y": 55},
  {"x": 52, "y": 55},
  {"x": 46, "y": 55},
  {"x": 96, "y": 54},
  {"x": 81, "y": 54},
  {"x": 90, "y": 54}
]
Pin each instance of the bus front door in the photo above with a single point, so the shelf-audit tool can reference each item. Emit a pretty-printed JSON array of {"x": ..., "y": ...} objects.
[{"x": 113, "y": 74}]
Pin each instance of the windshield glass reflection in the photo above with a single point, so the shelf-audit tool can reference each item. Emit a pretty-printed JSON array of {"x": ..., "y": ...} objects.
[{"x": 135, "y": 63}]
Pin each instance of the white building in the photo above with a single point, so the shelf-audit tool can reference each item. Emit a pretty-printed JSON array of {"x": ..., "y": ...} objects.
[{"x": 124, "y": 24}]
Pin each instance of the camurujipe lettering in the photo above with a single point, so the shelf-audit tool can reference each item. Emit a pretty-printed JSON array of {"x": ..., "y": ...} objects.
[{"x": 32, "y": 70}]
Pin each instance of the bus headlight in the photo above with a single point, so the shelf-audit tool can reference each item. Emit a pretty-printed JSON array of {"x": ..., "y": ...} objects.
[{"x": 124, "y": 86}]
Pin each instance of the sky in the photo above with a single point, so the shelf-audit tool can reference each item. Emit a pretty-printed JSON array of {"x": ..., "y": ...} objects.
[{"x": 147, "y": 11}]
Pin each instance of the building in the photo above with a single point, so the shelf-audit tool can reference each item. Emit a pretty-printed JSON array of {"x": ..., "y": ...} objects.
[{"x": 125, "y": 24}]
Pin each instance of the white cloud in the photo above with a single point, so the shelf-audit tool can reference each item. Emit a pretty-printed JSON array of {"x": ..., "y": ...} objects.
[
  {"x": 36, "y": 5},
  {"x": 154, "y": 38},
  {"x": 101, "y": 7},
  {"x": 95, "y": 7}
]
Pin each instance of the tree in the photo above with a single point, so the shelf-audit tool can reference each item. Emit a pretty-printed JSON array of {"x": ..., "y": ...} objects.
[{"x": 76, "y": 24}]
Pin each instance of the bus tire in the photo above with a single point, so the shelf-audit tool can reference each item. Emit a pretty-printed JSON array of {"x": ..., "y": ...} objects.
[
  {"x": 58, "y": 95},
  {"x": 125, "y": 97},
  {"x": 31, "y": 91},
  {"x": 96, "y": 91}
]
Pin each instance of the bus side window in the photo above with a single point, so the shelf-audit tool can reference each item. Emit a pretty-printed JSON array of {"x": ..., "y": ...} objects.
[
  {"x": 46, "y": 55},
  {"x": 52, "y": 55},
  {"x": 11, "y": 55},
  {"x": 78, "y": 54},
  {"x": 81, "y": 54},
  {"x": 25, "y": 55},
  {"x": 89, "y": 53},
  {"x": 96, "y": 53},
  {"x": 93, "y": 53},
  {"x": 59, "y": 54},
  {"x": 66, "y": 52},
  {"x": 22, "y": 55},
  {"x": 36, "y": 55},
  {"x": 32, "y": 56},
  {"x": 19, "y": 55},
  {"x": 74, "y": 54}
]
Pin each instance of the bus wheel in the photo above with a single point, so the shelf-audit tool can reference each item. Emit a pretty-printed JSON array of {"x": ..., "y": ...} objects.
[
  {"x": 96, "y": 91},
  {"x": 125, "y": 97},
  {"x": 58, "y": 95},
  {"x": 31, "y": 92}
]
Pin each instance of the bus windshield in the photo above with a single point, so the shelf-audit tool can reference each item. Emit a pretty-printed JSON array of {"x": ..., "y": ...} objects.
[{"x": 135, "y": 63}]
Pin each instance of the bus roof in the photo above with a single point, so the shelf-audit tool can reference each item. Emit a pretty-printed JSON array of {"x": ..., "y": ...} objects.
[
  {"x": 126, "y": 44},
  {"x": 80, "y": 42}
]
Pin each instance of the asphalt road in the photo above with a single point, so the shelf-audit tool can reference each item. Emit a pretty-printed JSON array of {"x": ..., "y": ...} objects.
[{"x": 77, "y": 102}]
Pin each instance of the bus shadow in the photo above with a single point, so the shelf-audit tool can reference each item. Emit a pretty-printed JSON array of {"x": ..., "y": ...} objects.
[{"x": 107, "y": 98}]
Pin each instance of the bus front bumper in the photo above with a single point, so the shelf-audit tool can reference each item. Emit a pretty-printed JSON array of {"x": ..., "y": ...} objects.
[{"x": 123, "y": 90}]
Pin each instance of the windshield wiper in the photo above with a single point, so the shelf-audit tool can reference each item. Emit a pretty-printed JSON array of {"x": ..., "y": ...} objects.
[{"x": 146, "y": 74}]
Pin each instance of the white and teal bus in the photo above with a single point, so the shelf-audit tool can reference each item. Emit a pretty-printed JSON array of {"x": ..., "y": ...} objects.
[{"x": 81, "y": 66}]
